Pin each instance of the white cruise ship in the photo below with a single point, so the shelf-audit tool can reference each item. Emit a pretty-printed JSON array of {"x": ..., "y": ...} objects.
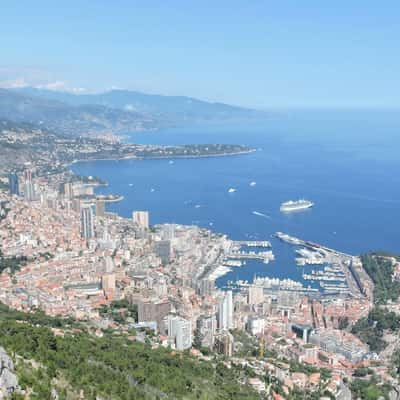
[{"x": 297, "y": 205}]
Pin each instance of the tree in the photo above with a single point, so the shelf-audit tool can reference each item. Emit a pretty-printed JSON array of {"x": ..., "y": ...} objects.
[{"x": 198, "y": 339}]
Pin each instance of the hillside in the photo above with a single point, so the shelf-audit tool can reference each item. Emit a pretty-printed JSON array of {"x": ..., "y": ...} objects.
[
  {"x": 175, "y": 109},
  {"x": 58, "y": 356},
  {"x": 70, "y": 119}
]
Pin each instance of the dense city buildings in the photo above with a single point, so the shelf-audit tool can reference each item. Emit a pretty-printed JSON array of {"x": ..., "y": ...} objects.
[{"x": 82, "y": 259}]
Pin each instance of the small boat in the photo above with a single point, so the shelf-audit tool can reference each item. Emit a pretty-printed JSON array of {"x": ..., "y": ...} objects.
[
  {"x": 253, "y": 183},
  {"x": 231, "y": 190}
]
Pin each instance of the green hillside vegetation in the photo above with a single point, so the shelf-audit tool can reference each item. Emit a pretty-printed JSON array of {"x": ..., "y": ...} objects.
[
  {"x": 380, "y": 269},
  {"x": 119, "y": 311},
  {"x": 369, "y": 389},
  {"x": 371, "y": 328},
  {"x": 12, "y": 263},
  {"x": 111, "y": 367}
]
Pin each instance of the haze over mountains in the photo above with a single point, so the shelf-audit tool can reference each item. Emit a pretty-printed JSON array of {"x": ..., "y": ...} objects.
[{"x": 115, "y": 111}]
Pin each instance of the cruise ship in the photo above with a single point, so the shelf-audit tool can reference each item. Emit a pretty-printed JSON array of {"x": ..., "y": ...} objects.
[{"x": 298, "y": 205}]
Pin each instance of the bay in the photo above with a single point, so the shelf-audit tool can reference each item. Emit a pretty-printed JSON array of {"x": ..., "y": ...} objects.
[{"x": 346, "y": 162}]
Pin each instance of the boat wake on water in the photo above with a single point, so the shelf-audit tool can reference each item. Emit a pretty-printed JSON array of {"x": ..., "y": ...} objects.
[{"x": 260, "y": 214}]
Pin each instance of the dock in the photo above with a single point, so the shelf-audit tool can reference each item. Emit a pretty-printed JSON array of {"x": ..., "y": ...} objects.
[
  {"x": 252, "y": 243},
  {"x": 310, "y": 245},
  {"x": 265, "y": 256}
]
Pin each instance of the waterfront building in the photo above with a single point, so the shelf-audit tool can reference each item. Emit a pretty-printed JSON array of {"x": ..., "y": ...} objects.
[
  {"x": 87, "y": 222},
  {"x": 141, "y": 218},
  {"x": 13, "y": 184},
  {"x": 225, "y": 312}
]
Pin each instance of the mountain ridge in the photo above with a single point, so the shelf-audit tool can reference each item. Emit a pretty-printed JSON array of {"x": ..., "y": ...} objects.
[
  {"x": 170, "y": 108},
  {"x": 70, "y": 119},
  {"x": 115, "y": 111}
]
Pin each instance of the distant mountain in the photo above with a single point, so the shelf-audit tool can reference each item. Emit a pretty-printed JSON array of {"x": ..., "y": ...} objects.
[
  {"x": 117, "y": 111},
  {"x": 172, "y": 109},
  {"x": 21, "y": 106}
]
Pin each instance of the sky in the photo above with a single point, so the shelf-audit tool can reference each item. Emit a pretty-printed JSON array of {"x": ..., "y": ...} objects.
[{"x": 256, "y": 53}]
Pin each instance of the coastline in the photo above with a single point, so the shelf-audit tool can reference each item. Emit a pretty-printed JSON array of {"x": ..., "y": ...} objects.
[
  {"x": 219, "y": 270},
  {"x": 134, "y": 157}
]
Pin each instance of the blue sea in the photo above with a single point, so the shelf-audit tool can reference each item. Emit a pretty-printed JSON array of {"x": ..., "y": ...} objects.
[{"x": 346, "y": 162}]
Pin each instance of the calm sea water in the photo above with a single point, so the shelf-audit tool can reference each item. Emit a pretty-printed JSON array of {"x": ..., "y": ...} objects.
[{"x": 348, "y": 163}]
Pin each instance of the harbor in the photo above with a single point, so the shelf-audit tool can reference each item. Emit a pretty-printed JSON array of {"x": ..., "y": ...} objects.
[
  {"x": 333, "y": 272},
  {"x": 341, "y": 274}
]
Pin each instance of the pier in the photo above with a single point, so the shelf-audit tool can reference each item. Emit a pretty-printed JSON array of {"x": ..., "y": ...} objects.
[
  {"x": 310, "y": 245},
  {"x": 252, "y": 243},
  {"x": 265, "y": 256}
]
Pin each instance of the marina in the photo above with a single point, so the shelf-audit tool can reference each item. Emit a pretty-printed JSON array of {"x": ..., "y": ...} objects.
[
  {"x": 264, "y": 256},
  {"x": 342, "y": 273},
  {"x": 252, "y": 243},
  {"x": 309, "y": 257}
]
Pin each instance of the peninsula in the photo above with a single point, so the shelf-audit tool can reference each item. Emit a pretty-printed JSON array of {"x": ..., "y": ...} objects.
[{"x": 52, "y": 152}]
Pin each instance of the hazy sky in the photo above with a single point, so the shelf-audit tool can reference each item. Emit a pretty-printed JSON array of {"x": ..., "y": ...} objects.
[{"x": 255, "y": 53}]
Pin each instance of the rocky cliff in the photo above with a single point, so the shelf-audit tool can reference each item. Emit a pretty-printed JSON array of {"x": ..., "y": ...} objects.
[{"x": 8, "y": 379}]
